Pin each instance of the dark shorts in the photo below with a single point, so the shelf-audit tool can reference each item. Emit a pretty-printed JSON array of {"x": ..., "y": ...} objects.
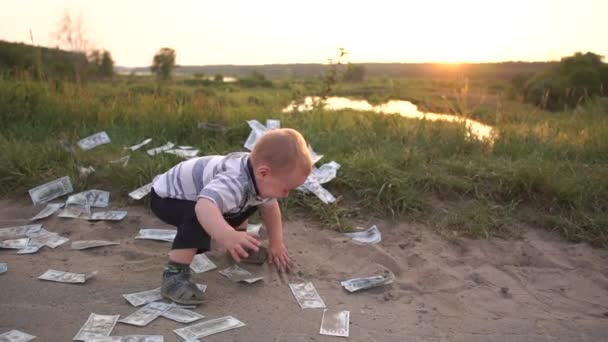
[{"x": 180, "y": 213}]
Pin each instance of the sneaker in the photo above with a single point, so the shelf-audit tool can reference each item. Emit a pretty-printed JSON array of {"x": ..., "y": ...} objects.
[{"x": 179, "y": 287}]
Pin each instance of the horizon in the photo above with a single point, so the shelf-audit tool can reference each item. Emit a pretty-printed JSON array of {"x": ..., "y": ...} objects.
[{"x": 269, "y": 33}]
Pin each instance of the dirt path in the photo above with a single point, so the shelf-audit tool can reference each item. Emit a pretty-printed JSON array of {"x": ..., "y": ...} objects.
[{"x": 535, "y": 289}]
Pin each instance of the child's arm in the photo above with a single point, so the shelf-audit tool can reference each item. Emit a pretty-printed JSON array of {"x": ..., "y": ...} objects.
[
  {"x": 210, "y": 217},
  {"x": 277, "y": 252}
]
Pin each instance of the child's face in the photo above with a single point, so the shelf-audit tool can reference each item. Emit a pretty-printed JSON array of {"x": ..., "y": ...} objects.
[{"x": 278, "y": 185}]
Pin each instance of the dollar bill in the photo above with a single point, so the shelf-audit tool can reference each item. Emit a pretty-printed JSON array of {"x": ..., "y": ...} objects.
[
  {"x": 167, "y": 235},
  {"x": 85, "y": 171},
  {"x": 90, "y": 198},
  {"x": 182, "y": 315},
  {"x": 19, "y": 231},
  {"x": 124, "y": 161},
  {"x": 3, "y": 267},
  {"x": 96, "y": 325},
  {"x": 357, "y": 284},
  {"x": 209, "y": 327},
  {"x": 153, "y": 151},
  {"x": 144, "y": 297},
  {"x": 138, "y": 146},
  {"x": 66, "y": 277},
  {"x": 46, "y": 238},
  {"x": 141, "y": 192},
  {"x": 15, "y": 243},
  {"x": 93, "y": 141},
  {"x": 51, "y": 190},
  {"x": 127, "y": 338},
  {"x": 84, "y": 244},
  {"x": 186, "y": 154},
  {"x": 49, "y": 210},
  {"x": 257, "y": 131},
  {"x": 258, "y": 230},
  {"x": 370, "y": 236},
  {"x": 312, "y": 185},
  {"x": 272, "y": 123},
  {"x": 201, "y": 263},
  {"x": 307, "y": 296},
  {"x": 112, "y": 215},
  {"x": 313, "y": 155},
  {"x": 29, "y": 249},
  {"x": 16, "y": 336},
  {"x": 238, "y": 274},
  {"x": 147, "y": 314},
  {"x": 325, "y": 172},
  {"x": 71, "y": 211},
  {"x": 335, "y": 323}
]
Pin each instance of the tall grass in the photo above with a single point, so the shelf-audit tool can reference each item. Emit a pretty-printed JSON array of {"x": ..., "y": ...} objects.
[{"x": 546, "y": 170}]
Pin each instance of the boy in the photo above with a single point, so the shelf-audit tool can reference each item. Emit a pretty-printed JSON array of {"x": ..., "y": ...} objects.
[{"x": 207, "y": 197}]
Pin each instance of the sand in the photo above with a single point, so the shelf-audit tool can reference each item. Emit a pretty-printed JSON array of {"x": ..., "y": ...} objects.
[{"x": 537, "y": 288}]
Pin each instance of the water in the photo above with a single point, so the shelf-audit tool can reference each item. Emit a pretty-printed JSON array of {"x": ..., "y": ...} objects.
[{"x": 403, "y": 108}]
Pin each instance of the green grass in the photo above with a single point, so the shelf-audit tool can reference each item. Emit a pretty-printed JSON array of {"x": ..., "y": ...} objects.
[{"x": 546, "y": 170}]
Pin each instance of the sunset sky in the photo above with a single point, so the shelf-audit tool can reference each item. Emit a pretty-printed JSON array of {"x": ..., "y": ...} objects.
[{"x": 269, "y": 31}]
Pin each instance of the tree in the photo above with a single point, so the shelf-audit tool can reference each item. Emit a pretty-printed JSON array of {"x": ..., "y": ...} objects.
[
  {"x": 354, "y": 73},
  {"x": 163, "y": 63},
  {"x": 71, "y": 36},
  {"x": 101, "y": 64}
]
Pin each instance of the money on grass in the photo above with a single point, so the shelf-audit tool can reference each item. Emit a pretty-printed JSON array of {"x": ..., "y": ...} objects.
[
  {"x": 307, "y": 296},
  {"x": 51, "y": 190},
  {"x": 127, "y": 338},
  {"x": 84, "y": 244},
  {"x": 167, "y": 235},
  {"x": 3, "y": 267},
  {"x": 141, "y": 192},
  {"x": 357, "y": 284},
  {"x": 201, "y": 263},
  {"x": 124, "y": 161},
  {"x": 257, "y": 131},
  {"x": 238, "y": 274},
  {"x": 96, "y": 325},
  {"x": 184, "y": 153},
  {"x": 335, "y": 323},
  {"x": 16, "y": 336},
  {"x": 93, "y": 141},
  {"x": 66, "y": 277},
  {"x": 370, "y": 236},
  {"x": 153, "y": 151},
  {"x": 136, "y": 147},
  {"x": 209, "y": 327},
  {"x": 312, "y": 185},
  {"x": 19, "y": 231},
  {"x": 182, "y": 315},
  {"x": 272, "y": 123},
  {"x": 112, "y": 215},
  {"x": 49, "y": 210}
]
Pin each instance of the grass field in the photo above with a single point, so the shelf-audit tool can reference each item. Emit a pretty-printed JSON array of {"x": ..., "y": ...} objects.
[{"x": 546, "y": 170}]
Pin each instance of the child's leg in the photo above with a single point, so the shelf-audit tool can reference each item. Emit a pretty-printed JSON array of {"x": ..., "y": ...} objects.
[{"x": 182, "y": 256}]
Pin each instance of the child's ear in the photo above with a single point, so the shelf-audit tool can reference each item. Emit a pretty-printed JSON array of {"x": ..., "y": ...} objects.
[{"x": 264, "y": 170}]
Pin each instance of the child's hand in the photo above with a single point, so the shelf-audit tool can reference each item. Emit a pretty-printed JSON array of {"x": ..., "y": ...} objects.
[
  {"x": 277, "y": 255},
  {"x": 237, "y": 243}
]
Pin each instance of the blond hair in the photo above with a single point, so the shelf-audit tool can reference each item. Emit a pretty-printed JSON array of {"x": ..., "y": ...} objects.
[{"x": 282, "y": 149}]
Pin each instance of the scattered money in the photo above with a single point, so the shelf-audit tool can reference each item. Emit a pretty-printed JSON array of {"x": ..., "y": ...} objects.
[
  {"x": 147, "y": 314},
  {"x": 145, "y": 297},
  {"x": 326, "y": 172},
  {"x": 141, "y": 192},
  {"x": 46, "y": 238},
  {"x": 51, "y": 190},
  {"x": 84, "y": 244},
  {"x": 66, "y": 277},
  {"x": 153, "y": 151},
  {"x": 19, "y": 231},
  {"x": 85, "y": 171},
  {"x": 335, "y": 323},
  {"x": 96, "y": 325},
  {"x": 182, "y": 315},
  {"x": 167, "y": 235},
  {"x": 49, "y": 210},
  {"x": 72, "y": 211},
  {"x": 201, "y": 263},
  {"x": 210, "y": 327},
  {"x": 357, "y": 284},
  {"x": 29, "y": 249},
  {"x": 312, "y": 185},
  {"x": 3, "y": 267},
  {"x": 315, "y": 157},
  {"x": 16, "y": 336},
  {"x": 90, "y": 198},
  {"x": 186, "y": 154},
  {"x": 93, "y": 141},
  {"x": 238, "y": 274},
  {"x": 272, "y": 124},
  {"x": 15, "y": 244},
  {"x": 122, "y": 160},
  {"x": 136, "y": 147},
  {"x": 257, "y": 229},
  {"x": 257, "y": 131},
  {"x": 127, "y": 338},
  {"x": 369, "y": 237},
  {"x": 112, "y": 215},
  {"x": 307, "y": 296}
]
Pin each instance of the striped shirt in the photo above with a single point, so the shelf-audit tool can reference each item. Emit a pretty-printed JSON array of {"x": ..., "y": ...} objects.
[{"x": 227, "y": 181}]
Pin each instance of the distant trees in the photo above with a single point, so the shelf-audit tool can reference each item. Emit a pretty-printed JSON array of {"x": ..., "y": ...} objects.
[
  {"x": 101, "y": 64},
  {"x": 354, "y": 73},
  {"x": 71, "y": 36},
  {"x": 573, "y": 81},
  {"x": 163, "y": 63}
]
